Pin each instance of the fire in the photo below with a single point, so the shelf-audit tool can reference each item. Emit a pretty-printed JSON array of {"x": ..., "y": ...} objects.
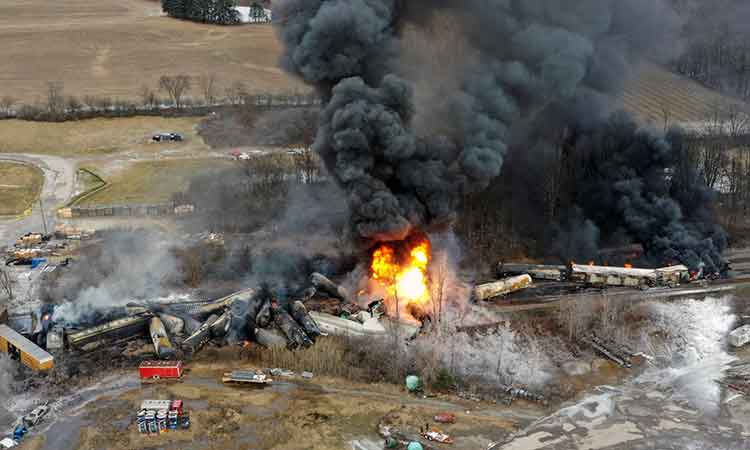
[
  {"x": 405, "y": 279},
  {"x": 628, "y": 266}
]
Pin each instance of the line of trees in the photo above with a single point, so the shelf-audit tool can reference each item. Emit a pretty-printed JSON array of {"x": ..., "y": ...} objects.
[
  {"x": 170, "y": 96},
  {"x": 717, "y": 45},
  {"x": 221, "y": 12}
]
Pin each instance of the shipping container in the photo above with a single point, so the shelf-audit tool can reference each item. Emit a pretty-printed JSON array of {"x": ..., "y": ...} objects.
[
  {"x": 156, "y": 405},
  {"x": 160, "y": 370}
]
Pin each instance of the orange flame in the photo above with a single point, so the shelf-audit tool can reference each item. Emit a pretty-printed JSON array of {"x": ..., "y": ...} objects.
[
  {"x": 628, "y": 266},
  {"x": 407, "y": 281}
]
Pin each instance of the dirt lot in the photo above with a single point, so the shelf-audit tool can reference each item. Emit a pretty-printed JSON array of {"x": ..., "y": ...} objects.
[
  {"x": 20, "y": 185},
  {"x": 112, "y": 48},
  {"x": 320, "y": 414}
]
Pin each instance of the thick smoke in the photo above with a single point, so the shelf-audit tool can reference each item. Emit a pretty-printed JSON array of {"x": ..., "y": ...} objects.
[
  {"x": 533, "y": 55},
  {"x": 621, "y": 185},
  {"x": 127, "y": 267}
]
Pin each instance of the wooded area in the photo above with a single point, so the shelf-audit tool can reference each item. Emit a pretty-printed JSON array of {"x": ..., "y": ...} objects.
[
  {"x": 219, "y": 12},
  {"x": 716, "y": 45}
]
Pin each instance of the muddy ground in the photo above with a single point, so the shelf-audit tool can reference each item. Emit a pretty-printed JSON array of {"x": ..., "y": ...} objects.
[{"x": 293, "y": 413}]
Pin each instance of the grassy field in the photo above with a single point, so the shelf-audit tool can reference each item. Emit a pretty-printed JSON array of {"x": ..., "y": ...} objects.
[
  {"x": 112, "y": 47},
  {"x": 153, "y": 181},
  {"x": 20, "y": 186},
  {"x": 90, "y": 138}
]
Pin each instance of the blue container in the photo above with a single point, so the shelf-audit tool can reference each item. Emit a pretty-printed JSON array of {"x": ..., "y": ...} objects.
[
  {"x": 142, "y": 427},
  {"x": 36, "y": 262},
  {"x": 172, "y": 420}
]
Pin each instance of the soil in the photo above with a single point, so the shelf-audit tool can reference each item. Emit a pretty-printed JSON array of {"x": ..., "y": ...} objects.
[
  {"x": 112, "y": 48},
  {"x": 294, "y": 413}
]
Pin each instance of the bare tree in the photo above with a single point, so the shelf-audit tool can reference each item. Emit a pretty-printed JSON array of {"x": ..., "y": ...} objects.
[
  {"x": 6, "y": 103},
  {"x": 148, "y": 96},
  {"x": 55, "y": 97},
  {"x": 73, "y": 105},
  {"x": 666, "y": 115},
  {"x": 7, "y": 282},
  {"x": 439, "y": 277},
  {"x": 175, "y": 86},
  {"x": 236, "y": 92},
  {"x": 207, "y": 84},
  {"x": 295, "y": 129}
]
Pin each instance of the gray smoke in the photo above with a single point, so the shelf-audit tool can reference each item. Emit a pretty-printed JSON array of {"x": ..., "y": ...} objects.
[
  {"x": 127, "y": 267},
  {"x": 6, "y": 379},
  {"x": 532, "y": 56}
]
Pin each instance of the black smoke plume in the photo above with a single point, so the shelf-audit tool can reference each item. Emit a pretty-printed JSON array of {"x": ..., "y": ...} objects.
[
  {"x": 533, "y": 53},
  {"x": 631, "y": 185},
  {"x": 525, "y": 60}
]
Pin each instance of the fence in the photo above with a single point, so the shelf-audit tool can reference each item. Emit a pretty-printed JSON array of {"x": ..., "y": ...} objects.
[{"x": 154, "y": 210}]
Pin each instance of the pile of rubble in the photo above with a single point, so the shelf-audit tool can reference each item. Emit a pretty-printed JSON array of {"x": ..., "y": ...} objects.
[
  {"x": 244, "y": 316},
  {"x": 737, "y": 377}
]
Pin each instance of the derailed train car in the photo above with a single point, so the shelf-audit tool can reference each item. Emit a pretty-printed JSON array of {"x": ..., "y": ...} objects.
[
  {"x": 111, "y": 331},
  {"x": 628, "y": 277}
]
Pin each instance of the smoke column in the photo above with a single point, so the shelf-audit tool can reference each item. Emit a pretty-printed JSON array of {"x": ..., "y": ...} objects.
[
  {"x": 533, "y": 54},
  {"x": 632, "y": 185},
  {"x": 531, "y": 66}
]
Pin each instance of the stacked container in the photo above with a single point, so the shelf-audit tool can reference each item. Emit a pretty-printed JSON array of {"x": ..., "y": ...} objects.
[
  {"x": 142, "y": 427},
  {"x": 161, "y": 420},
  {"x": 151, "y": 424}
]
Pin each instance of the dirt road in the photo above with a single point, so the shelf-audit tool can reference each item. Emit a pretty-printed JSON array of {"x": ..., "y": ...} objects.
[
  {"x": 294, "y": 413},
  {"x": 59, "y": 184}
]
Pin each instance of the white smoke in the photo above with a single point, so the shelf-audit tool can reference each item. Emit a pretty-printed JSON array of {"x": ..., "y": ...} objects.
[
  {"x": 131, "y": 267},
  {"x": 693, "y": 349}
]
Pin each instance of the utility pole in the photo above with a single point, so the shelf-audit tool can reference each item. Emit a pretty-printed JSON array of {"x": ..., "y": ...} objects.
[{"x": 44, "y": 220}]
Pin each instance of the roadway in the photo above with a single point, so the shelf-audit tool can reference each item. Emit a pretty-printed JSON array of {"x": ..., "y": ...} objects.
[{"x": 59, "y": 186}]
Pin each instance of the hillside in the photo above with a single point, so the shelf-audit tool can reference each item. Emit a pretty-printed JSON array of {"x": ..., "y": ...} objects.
[{"x": 656, "y": 89}]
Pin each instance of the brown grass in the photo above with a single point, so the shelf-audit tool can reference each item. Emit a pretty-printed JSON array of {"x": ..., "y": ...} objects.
[
  {"x": 20, "y": 186},
  {"x": 656, "y": 89},
  {"x": 97, "y": 137},
  {"x": 113, "y": 47},
  {"x": 329, "y": 356},
  {"x": 153, "y": 181}
]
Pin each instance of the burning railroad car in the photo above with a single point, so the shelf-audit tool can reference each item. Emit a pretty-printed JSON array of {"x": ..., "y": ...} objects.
[
  {"x": 23, "y": 349},
  {"x": 629, "y": 277},
  {"x": 672, "y": 275}
]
